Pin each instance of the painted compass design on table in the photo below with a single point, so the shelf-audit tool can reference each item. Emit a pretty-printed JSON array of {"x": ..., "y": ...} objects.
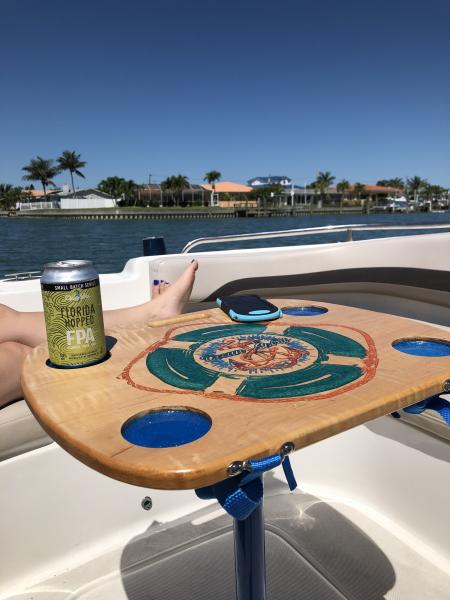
[{"x": 260, "y": 362}]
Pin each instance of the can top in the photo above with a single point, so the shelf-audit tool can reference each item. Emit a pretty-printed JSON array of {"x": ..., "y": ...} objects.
[
  {"x": 68, "y": 264},
  {"x": 68, "y": 271}
]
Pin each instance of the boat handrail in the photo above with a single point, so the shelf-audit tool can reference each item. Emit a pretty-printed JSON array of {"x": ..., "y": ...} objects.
[
  {"x": 348, "y": 228},
  {"x": 21, "y": 276}
]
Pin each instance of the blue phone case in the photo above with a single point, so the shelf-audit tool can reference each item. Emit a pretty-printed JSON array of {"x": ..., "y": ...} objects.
[{"x": 253, "y": 315}]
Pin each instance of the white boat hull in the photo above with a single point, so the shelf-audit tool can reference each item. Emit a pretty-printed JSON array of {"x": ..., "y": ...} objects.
[{"x": 370, "y": 520}]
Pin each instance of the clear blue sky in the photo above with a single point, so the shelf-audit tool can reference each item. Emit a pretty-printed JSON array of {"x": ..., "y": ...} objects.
[{"x": 246, "y": 87}]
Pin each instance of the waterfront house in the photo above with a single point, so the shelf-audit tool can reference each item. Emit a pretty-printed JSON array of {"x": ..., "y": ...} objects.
[
  {"x": 283, "y": 180},
  {"x": 64, "y": 199},
  {"x": 228, "y": 194},
  {"x": 377, "y": 196},
  {"x": 38, "y": 200},
  {"x": 87, "y": 199},
  {"x": 152, "y": 195}
]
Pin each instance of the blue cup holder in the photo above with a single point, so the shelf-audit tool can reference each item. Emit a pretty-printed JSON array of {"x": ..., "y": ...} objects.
[
  {"x": 304, "y": 311},
  {"x": 423, "y": 347},
  {"x": 166, "y": 427}
]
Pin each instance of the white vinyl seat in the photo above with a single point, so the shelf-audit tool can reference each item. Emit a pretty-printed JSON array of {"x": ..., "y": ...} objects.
[{"x": 19, "y": 431}]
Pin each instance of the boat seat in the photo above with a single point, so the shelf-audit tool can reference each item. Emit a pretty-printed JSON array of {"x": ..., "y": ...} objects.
[{"x": 19, "y": 431}]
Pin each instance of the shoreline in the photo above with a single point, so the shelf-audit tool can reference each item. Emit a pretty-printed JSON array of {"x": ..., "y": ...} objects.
[{"x": 182, "y": 213}]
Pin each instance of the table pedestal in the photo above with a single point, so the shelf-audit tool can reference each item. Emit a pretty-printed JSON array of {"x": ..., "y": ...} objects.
[{"x": 249, "y": 552}]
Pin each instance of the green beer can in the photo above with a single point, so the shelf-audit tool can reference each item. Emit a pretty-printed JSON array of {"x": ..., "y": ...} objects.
[{"x": 73, "y": 313}]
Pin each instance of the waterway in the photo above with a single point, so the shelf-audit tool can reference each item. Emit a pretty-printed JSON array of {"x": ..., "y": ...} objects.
[{"x": 27, "y": 244}]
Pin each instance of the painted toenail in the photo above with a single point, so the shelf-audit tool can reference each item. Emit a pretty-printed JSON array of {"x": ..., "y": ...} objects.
[{"x": 155, "y": 281}]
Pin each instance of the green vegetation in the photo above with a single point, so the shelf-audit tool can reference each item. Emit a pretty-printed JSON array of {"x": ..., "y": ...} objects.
[
  {"x": 359, "y": 189},
  {"x": 176, "y": 191},
  {"x": 10, "y": 195},
  {"x": 323, "y": 183},
  {"x": 267, "y": 194},
  {"x": 343, "y": 187},
  {"x": 397, "y": 182},
  {"x": 415, "y": 186},
  {"x": 70, "y": 161},
  {"x": 41, "y": 169},
  {"x": 118, "y": 187},
  {"x": 211, "y": 177},
  {"x": 174, "y": 185}
]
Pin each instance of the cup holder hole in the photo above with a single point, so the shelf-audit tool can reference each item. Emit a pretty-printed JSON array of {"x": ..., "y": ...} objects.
[
  {"x": 166, "y": 427},
  {"x": 423, "y": 347}
]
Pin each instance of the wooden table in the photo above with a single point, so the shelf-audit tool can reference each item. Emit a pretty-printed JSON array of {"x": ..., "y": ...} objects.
[{"x": 298, "y": 379}]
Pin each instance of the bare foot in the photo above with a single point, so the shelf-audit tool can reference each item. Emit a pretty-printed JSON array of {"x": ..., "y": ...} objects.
[
  {"x": 168, "y": 300},
  {"x": 171, "y": 298},
  {"x": 159, "y": 287}
]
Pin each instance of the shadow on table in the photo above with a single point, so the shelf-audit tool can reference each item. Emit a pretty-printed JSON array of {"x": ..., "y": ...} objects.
[{"x": 312, "y": 552}]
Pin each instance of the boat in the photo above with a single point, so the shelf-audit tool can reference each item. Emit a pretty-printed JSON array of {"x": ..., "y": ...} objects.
[{"x": 369, "y": 519}]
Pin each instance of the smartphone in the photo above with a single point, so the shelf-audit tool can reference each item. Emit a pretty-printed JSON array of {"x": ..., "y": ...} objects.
[{"x": 248, "y": 308}]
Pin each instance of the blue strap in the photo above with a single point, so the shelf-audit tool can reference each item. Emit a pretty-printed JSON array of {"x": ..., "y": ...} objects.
[
  {"x": 434, "y": 403},
  {"x": 242, "y": 494}
]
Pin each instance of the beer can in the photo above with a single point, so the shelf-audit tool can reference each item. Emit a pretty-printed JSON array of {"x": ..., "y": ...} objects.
[{"x": 73, "y": 313}]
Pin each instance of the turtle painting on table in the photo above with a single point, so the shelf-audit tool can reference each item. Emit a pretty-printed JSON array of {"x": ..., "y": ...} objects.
[{"x": 265, "y": 362}]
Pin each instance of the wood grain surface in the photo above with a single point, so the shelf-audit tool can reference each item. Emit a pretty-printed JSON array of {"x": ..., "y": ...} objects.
[{"x": 297, "y": 379}]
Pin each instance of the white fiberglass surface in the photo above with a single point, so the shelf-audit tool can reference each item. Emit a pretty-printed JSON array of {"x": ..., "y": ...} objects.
[
  {"x": 56, "y": 513},
  {"x": 132, "y": 285},
  {"x": 67, "y": 528}
]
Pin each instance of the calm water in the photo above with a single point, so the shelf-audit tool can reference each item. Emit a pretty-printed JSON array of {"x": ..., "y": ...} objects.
[{"x": 26, "y": 244}]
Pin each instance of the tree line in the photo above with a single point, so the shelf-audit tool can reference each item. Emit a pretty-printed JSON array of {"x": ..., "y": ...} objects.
[{"x": 45, "y": 170}]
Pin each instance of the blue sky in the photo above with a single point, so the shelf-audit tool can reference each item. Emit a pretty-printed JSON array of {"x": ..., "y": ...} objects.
[{"x": 246, "y": 87}]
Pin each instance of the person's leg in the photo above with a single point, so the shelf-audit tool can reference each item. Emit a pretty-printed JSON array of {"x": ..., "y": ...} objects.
[
  {"x": 12, "y": 356},
  {"x": 22, "y": 327},
  {"x": 19, "y": 331},
  {"x": 29, "y": 327}
]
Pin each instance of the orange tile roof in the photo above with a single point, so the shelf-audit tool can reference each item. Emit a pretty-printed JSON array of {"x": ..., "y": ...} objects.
[
  {"x": 228, "y": 186},
  {"x": 38, "y": 193},
  {"x": 373, "y": 188},
  {"x": 380, "y": 188}
]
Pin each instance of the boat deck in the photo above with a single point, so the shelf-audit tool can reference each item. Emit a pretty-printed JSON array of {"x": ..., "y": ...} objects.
[{"x": 192, "y": 558}]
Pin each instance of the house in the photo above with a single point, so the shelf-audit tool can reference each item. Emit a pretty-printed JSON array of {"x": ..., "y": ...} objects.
[
  {"x": 270, "y": 180},
  {"x": 228, "y": 194},
  {"x": 39, "y": 194},
  {"x": 37, "y": 200},
  {"x": 87, "y": 198}
]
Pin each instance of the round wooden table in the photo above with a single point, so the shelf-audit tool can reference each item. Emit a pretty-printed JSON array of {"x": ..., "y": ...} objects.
[{"x": 183, "y": 403}]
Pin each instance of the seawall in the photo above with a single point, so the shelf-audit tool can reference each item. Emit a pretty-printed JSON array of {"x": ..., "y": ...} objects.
[{"x": 173, "y": 213}]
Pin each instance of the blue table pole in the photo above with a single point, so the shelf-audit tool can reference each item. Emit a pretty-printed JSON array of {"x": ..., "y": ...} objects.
[{"x": 249, "y": 557}]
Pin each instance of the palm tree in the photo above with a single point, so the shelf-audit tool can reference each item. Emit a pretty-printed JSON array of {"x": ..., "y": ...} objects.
[
  {"x": 168, "y": 185},
  {"x": 70, "y": 161},
  {"x": 343, "y": 187},
  {"x": 175, "y": 184},
  {"x": 211, "y": 177},
  {"x": 358, "y": 189},
  {"x": 112, "y": 186},
  {"x": 415, "y": 185},
  {"x": 323, "y": 182},
  {"x": 128, "y": 190},
  {"x": 396, "y": 182},
  {"x": 41, "y": 169},
  {"x": 180, "y": 183},
  {"x": 4, "y": 189},
  {"x": 10, "y": 195}
]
